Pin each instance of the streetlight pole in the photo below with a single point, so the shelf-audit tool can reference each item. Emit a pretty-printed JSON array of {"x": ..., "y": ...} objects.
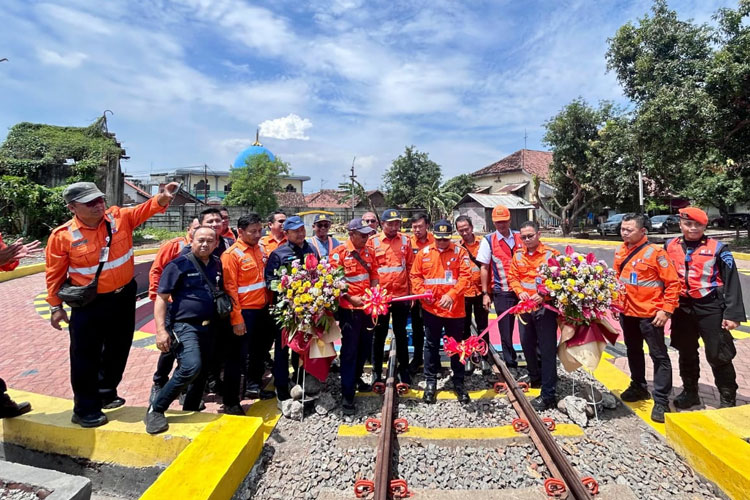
[{"x": 640, "y": 192}]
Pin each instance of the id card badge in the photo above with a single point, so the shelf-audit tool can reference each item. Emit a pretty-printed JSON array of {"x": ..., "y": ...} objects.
[
  {"x": 104, "y": 255},
  {"x": 633, "y": 278},
  {"x": 538, "y": 280},
  {"x": 449, "y": 275}
]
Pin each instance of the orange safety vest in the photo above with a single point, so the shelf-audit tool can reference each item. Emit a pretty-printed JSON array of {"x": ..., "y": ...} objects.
[
  {"x": 166, "y": 254},
  {"x": 524, "y": 269},
  {"x": 243, "y": 267},
  {"x": 475, "y": 286},
  {"x": 502, "y": 255},
  {"x": 444, "y": 273},
  {"x": 329, "y": 244},
  {"x": 73, "y": 250},
  {"x": 10, "y": 265},
  {"x": 268, "y": 243},
  {"x": 650, "y": 279},
  {"x": 417, "y": 245},
  {"x": 702, "y": 275},
  {"x": 355, "y": 274},
  {"x": 394, "y": 258}
]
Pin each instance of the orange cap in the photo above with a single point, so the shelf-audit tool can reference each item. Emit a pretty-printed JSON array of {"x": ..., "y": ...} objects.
[
  {"x": 500, "y": 213},
  {"x": 695, "y": 214}
]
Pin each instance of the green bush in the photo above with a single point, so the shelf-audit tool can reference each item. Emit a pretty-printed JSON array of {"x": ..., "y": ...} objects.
[{"x": 153, "y": 234}]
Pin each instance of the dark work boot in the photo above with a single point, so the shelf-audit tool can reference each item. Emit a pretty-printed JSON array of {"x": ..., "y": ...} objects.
[
  {"x": 461, "y": 394},
  {"x": 635, "y": 393},
  {"x": 657, "y": 413},
  {"x": 9, "y": 408},
  {"x": 727, "y": 398},
  {"x": 688, "y": 397},
  {"x": 430, "y": 393}
]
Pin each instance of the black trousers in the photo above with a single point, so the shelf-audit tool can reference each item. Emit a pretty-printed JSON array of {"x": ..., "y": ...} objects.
[
  {"x": 244, "y": 354},
  {"x": 101, "y": 334},
  {"x": 433, "y": 328},
  {"x": 218, "y": 357},
  {"x": 692, "y": 320},
  {"x": 399, "y": 312},
  {"x": 281, "y": 364},
  {"x": 504, "y": 301},
  {"x": 540, "y": 332},
  {"x": 474, "y": 306},
  {"x": 356, "y": 342},
  {"x": 636, "y": 330},
  {"x": 3, "y": 387},
  {"x": 417, "y": 332}
]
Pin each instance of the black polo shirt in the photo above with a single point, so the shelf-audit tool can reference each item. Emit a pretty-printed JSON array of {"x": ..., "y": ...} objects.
[
  {"x": 192, "y": 299},
  {"x": 284, "y": 255}
]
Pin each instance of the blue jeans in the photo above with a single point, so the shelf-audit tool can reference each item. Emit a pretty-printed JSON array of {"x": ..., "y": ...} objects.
[
  {"x": 433, "y": 333},
  {"x": 355, "y": 343},
  {"x": 193, "y": 346},
  {"x": 541, "y": 329}
]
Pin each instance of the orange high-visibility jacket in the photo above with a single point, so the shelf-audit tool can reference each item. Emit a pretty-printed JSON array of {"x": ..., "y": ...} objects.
[
  {"x": 699, "y": 276},
  {"x": 650, "y": 278},
  {"x": 445, "y": 273},
  {"x": 10, "y": 265},
  {"x": 73, "y": 250},
  {"x": 524, "y": 269},
  {"x": 475, "y": 286},
  {"x": 417, "y": 245},
  {"x": 268, "y": 243},
  {"x": 166, "y": 254},
  {"x": 394, "y": 258},
  {"x": 358, "y": 278},
  {"x": 244, "y": 266}
]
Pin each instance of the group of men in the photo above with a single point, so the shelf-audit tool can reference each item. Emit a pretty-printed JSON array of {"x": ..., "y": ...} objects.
[{"x": 692, "y": 279}]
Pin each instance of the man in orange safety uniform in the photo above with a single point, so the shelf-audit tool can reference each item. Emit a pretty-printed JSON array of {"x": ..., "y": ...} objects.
[
  {"x": 710, "y": 306},
  {"x": 420, "y": 238},
  {"x": 244, "y": 264},
  {"x": 101, "y": 332},
  {"x": 444, "y": 269},
  {"x": 226, "y": 226},
  {"x": 276, "y": 236},
  {"x": 538, "y": 329},
  {"x": 394, "y": 257},
  {"x": 651, "y": 291},
  {"x": 360, "y": 272}
]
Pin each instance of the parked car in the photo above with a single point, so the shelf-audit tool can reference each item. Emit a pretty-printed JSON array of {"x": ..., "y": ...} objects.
[
  {"x": 612, "y": 225},
  {"x": 665, "y": 224},
  {"x": 732, "y": 220}
]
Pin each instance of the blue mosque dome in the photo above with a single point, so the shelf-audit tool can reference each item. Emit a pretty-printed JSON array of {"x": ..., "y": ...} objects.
[{"x": 256, "y": 149}]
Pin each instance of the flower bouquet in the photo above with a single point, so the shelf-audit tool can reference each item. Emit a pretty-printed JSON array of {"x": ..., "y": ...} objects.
[
  {"x": 307, "y": 299},
  {"x": 585, "y": 291}
]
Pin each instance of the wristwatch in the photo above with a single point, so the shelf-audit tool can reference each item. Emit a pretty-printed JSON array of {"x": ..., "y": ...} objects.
[
  {"x": 54, "y": 309},
  {"x": 485, "y": 293}
]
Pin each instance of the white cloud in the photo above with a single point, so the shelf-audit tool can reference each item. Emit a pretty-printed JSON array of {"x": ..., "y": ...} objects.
[
  {"x": 70, "y": 60},
  {"x": 288, "y": 127}
]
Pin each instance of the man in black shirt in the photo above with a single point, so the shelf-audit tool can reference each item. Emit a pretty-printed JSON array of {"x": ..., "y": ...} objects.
[
  {"x": 193, "y": 320},
  {"x": 295, "y": 248}
]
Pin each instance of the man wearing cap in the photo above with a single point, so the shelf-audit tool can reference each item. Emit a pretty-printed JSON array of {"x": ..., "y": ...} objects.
[
  {"x": 393, "y": 255},
  {"x": 651, "y": 290},
  {"x": 323, "y": 243},
  {"x": 295, "y": 248},
  {"x": 101, "y": 332},
  {"x": 710, "y": 305},
  {"x": 420, "y": 238},
  {"x": 444, "y": 269},
  {"x": 360, "y": 273},
  {"x": 495, "y": 254},
  {"x": 276, "y": 236}
]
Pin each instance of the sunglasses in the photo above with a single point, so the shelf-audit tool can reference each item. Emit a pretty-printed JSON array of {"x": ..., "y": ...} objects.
[
  {"x": 528, "y": 237},
  {"x": 323, "y": 224},
  {"x": 369, "y": 220},
  {"x": 94, "y": 202}
]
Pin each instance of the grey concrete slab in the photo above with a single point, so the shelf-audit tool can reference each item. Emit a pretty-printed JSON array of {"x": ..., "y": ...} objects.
[{"x": 63, "y": 486}]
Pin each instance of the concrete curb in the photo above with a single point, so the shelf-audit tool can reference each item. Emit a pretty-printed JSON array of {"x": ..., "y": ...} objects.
[{"x": 63, "y": 486}]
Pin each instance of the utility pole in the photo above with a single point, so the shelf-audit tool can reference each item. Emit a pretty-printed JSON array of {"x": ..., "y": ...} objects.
[
  {"x": 205, "y": 184},
  {"x": 353, "y": 177},
  {"x": 640, "y": 192}
]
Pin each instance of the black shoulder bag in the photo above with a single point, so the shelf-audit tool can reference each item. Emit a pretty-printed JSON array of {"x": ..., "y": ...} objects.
[
  {"x": 79, "y": 296},
  {"x": 222, "y": 301}
]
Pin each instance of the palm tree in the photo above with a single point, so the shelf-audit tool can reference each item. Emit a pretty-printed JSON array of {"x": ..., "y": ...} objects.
[{"x": 436, "y": 199}]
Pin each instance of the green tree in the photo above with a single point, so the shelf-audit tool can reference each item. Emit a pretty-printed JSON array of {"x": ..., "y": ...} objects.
[
  {"x": 407, "y": 174},
  {"x": 255, "y": 185},
  {"x": 435, "y": 199},
  {"x": 460, "y": 184}
]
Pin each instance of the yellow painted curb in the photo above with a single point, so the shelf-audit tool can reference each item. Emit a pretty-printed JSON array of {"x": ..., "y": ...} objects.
[
  {"x": 581, "y": 241},
  {"x": 460, "y": 433},
  {"x": 145, "y": 251},
  {"x": 449, "y": 394},
  {"x": 616, "y": 381},
  {"x": 708, "y": 441},
  {"x": 214, "y": 465},
  {"x": 22, "y": 271},
  {"x": 122, "y": 441},
  {"x": 741, "y": 255}
]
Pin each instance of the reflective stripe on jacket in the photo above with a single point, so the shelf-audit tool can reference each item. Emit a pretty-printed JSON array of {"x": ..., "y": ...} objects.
[
  {"x": 702, "y": 276},
  {"x": 244, "y": 266},
  {"x": 475, "y": 285},
  {"x": 167, "y": 252},
  {"x": 394, "y": 258},
  {"x": 501, "y": 259},
  {"x": 524, "y": 268},
  {"x": 444, "y": 273},
  {"x": 358, "y": 278}
]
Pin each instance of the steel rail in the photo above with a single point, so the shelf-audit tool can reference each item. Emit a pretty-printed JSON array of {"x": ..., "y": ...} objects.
[
  {"x": 382, "y": 473},
  {"x": 551, "y": 454}
]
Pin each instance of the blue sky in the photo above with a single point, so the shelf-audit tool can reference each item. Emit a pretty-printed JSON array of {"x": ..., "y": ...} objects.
[{"x": 190, "y": 80}]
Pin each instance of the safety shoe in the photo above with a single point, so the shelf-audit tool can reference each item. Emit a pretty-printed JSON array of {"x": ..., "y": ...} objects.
[
  {"x": 657, "y": 414},
  {"x": 348, "y": 408},
  {"x": 686, "y": 399},
  {"x": 430, "y": 393},
  {"x": 535, "y": 384},
  {"x": 260, "y": 394},
  {"x": 234, "y": 410},
  {"x": 415, "y": 366},
  {"x": 540, "y": 403},
  {"x": 461, "y": 394},
  {"x": 363, "y": 386},
  {"x": 156, "y": 422},
  {"x": 111, "y": 404},
  {"x": 634, "y": 393},
  {"x": 10, "y": 409},
  {"x": 96, "y": 420},
  {"x": 727, "y": 399},
  {"x": 155, "y": 389}
]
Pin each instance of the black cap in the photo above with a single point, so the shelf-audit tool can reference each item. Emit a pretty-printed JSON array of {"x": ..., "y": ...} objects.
[
  {"x": 442, "y": 229},
  {"x": 391, "y": 214}
]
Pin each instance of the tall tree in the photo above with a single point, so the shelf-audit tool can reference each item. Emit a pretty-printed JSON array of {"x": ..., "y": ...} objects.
[
  {"x": 255, "y": 185},
  {"x": 460, "y": 184},
  {"x": 410, "y": 171},
  {"x": 435, "y": 199}
]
